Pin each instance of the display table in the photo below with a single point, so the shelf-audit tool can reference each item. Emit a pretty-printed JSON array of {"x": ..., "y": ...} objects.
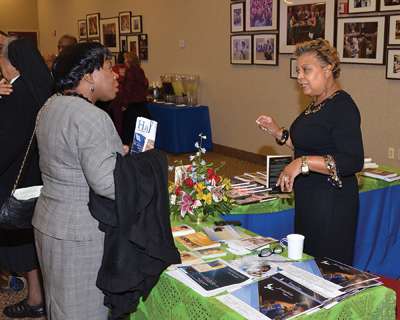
[
  {"x": 179, "y": 127},
  {"x": 172, "y": 300},
  {"x": 377, "y": 247}
]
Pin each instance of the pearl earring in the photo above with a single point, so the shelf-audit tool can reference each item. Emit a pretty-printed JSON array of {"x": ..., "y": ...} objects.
[{"x": 92, "y": 89}]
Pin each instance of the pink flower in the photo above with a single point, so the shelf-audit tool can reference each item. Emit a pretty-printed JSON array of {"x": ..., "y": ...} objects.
[{"x": 186, "y": 204}]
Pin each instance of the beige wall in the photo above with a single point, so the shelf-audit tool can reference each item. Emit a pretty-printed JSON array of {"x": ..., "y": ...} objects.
[
  {"x": 235, "y": 94},
  {"x": 18, "y": 15}
]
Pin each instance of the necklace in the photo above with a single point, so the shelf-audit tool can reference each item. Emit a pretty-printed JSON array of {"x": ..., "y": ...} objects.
[
  {"x": 76, "y": 94},
  {"x": 314, "y": 108}
]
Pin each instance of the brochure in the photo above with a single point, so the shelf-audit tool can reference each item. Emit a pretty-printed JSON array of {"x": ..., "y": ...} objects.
[
  {"x": 222, "y": 233},
  {"x": 197, "y": 241},
  {"x": 182, "y": 230},
  {"x": 212, "y": 277},
  {"x": 211, "y": 253},
  {"x": 187, "y": 258},
  {"x": 250, "y": 243},
  {"x": 144, "y": 136},
  {"x": 276, "y": 297},
  {"x": 275, "y": 165}
]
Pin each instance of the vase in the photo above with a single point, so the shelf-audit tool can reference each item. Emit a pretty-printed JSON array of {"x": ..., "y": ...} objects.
[{"x": 199, "y": 217}]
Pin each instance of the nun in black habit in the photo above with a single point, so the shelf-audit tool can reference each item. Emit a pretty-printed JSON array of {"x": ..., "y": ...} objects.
[{"x": 23, "y": 67}]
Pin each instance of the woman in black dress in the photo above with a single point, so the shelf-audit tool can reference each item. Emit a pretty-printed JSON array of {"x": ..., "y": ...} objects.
[
  {"x": 23, "y": 67},
  {"x": 328, "y": 150}
]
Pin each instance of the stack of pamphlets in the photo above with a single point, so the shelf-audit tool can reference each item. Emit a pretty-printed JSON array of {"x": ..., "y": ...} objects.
[
  {"x": 279, "y": 296},
  {"x": 249, "y": 244},
  {"x": 197, "y": 241},
  {"x": 381, "y": 174},
  {"x": 182, "y": 230},
  {"x": 369, "y": 164},
  {"x": 210, "y": 253},
  {"x": 258, "y": 267},
  {"x": 210, "y": 278},
  {"x": 247, "y": 189},
  {"x": 144, "y": 136}
]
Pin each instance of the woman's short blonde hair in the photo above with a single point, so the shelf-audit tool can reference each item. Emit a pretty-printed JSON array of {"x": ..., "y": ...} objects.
[
  {"x": 132, "y": 58},
  {"x": 324, "y": 52}
]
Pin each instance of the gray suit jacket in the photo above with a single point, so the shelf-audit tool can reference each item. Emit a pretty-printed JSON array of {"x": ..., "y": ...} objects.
[{"x": 77, "y": 147}]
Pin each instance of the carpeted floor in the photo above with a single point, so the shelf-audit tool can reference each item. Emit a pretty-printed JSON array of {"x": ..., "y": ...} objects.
[{"x": 233, "y": 166}]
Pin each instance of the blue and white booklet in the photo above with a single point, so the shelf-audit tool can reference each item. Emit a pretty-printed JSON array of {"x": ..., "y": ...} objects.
[{"x": 145, "y": 135}]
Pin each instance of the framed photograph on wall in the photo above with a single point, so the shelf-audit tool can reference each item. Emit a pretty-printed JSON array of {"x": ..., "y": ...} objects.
[
  {"x": 82, "y": 29},
  {"x": 137, "y": 24},
  {"x": 124, "y": 22},
  {"x": 393, "y": 64},
  {"x": 394, "y": 30},
  {"x": 237, "y": 17},
  {"x": 261, "y": 15},
  {"x": 361, "y": 40},
  {"x": 293, "y": 68},
  {"x": 241, "y": 49},
  {"x": 133, "y": 44},
  {"x": 304, "y": 20},
  {"x": 265, "y": 49},
  {"x": 93, "y": 25},
  {"x": 109, "y": 33},
  {"x": 123, "y": 44},
  {"x": 143, "y": 47},
  {"x": 390, "y": 5},
  {"x": 358, "y": 6}
]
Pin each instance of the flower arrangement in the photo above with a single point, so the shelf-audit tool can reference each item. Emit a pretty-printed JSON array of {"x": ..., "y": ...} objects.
[{"x": 198, "y": 189}]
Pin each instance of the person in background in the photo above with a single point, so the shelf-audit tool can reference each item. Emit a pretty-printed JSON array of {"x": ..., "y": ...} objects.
[
  {"x": 328, "y": 151},
  {"x": 133, "y": 95},
  {"x": 78, "y": 147},
  {"x": 22, "y": 67},
  {"x": 65, "y": 41}
]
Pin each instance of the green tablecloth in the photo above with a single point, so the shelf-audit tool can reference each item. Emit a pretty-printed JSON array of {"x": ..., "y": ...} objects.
[
  {"x": 170, "y": 299},
  {"x": 366, "y": 184}
]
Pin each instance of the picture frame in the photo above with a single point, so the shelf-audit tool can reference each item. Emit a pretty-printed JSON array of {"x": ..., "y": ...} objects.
[
  {"x": 241, "y": 49},
  {"x": 303, "y": 20},
  {"x": 394, "y": 30},
  {"x": 109, "y": 33},
  {"x": 133, "y": 43},
  {"x": 361, "y": 39},
  {"x": 360, "y": 6},
  {"x": 123, "y": 43},
  {"x": 237, "y": 17},
  {"x": 393, "y": 64},
  {"x": 93, "y": 25},
  {"x": 136, "y": 23},
  {"x": 265, "y": 49},
  {"x": 389, "y": 5},
  {"x": 293, "y": 68},
  {"x": 124, "y": 22},
  {"x": 143, "y": 47},
  {"x": 262, "y": 19},
  {"x": 82, "y": 29},
  {"x": 113, "y": 59}
]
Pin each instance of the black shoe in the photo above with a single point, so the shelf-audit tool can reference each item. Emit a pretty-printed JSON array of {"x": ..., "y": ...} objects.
[{"x": 23, "y": 310}]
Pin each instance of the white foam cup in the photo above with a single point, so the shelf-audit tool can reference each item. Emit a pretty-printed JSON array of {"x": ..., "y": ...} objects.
[{"x": 295, "y": 243}]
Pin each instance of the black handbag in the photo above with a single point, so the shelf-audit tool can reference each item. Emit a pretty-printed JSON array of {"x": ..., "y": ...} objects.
[{"x": 15, "y": 213}]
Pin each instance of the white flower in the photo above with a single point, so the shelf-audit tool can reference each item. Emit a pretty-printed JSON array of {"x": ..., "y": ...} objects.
[
  {"x": 191, "y": 158},
  {"x": 197, "y": 204},
  {"x": 172, "y": 198},
  {"x": 203, "y": 163},
  {"x": 197, "y": 145},
  {"x": 198, "y": 153},
  {"x": 193, "y": 163},
  {"x": 203, "y": 150},
  {"x": 170, "y": 168}
]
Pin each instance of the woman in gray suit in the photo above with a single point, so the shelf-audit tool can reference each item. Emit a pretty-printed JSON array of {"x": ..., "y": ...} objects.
[{"x": 77, "y": 145}]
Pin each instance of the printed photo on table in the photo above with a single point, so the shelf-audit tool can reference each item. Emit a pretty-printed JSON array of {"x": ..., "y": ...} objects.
[
  {"x": 265, "y": 49},
  {"x": 241, "y": 49},
  {"x": 361, "y": 40},
  {"x": 237, "y": 17},
  {"x": 261, "y": 15}
]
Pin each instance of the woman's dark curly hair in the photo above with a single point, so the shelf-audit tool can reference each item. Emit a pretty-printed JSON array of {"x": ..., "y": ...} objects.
[{"x": 76, "y": 61}]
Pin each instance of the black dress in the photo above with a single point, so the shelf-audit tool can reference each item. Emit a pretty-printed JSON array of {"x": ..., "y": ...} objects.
[
  {"x": 325, "y": 214},
  {"x": 17, "y": 121}
]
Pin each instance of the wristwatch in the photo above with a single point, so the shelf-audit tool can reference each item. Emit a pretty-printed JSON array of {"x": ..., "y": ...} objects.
[{"x": 304, "y": 166}]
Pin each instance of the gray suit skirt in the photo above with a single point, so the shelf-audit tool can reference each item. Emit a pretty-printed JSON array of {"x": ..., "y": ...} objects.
[{"x": 69, "y": 271}]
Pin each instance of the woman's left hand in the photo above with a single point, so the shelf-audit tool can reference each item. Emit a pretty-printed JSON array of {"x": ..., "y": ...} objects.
[
  {"x": 125, "y": 149},
  {"x": 287, "y": 176}
]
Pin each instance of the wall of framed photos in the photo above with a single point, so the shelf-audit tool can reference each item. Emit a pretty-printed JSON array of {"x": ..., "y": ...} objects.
[{"x": 235, "y": 94}]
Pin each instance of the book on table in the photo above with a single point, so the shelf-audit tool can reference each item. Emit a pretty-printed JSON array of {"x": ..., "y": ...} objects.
[
  {"x": 210, "y": 253},
  {"x": 381, "y": 174},
  {"x": 182, "y": 230},
  {"x": 197, "y": 241},
  {"x": 210, "y": 278},
  {"x": 250, "y": 243},
  {"x": 144, "y": 136},
  {"x": 275, "y": 297},
  {"x": 187, "y": 258},
  {"x": 223, "y": 233}
]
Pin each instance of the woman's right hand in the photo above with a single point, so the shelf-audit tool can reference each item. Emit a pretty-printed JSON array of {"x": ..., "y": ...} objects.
[
  {"x": 268, "y": 124},
  {"x": 5, "y": 88}
]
